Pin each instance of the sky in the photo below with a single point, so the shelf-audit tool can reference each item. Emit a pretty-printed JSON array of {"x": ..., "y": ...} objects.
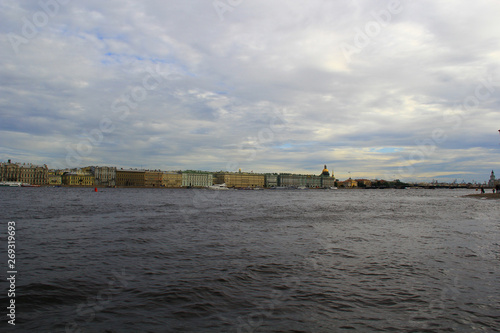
[{"x": 373, "y": 89}]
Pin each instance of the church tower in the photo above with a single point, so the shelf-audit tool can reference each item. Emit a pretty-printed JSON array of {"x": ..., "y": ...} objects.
[
  {"x": 325, "y": 172},
  {"x": 491, "y": 183}
]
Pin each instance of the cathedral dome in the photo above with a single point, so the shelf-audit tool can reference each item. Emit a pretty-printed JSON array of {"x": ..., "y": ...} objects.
[{"x": 325, "y": 172}]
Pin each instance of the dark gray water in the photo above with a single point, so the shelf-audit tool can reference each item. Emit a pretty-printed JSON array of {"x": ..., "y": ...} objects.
[{"x": 139, "y": 260}]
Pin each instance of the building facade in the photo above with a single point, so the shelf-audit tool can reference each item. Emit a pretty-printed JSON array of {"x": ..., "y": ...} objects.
[
  {"x": 349, "y": 183},
  {"x": 104, "y": 176},
  {"x": 197, "y": 179},
  {"x": 297, "y": 180},
  {"x": 24, "y": 173},
  {"x": 130, "y": 178},
  {"x": 492, "y": 182},
  {"x": 79, "y": 178},
  {"x": 364, "y": 182},
  {"x": 172, "y": 179},
  {"x": 327, "y": 182},
  {"x": 240, "y": 179},
  {"x": 270, "y": 180},
  {"x": 54, "y": 178},
  {"x": 153, "y": 178}
]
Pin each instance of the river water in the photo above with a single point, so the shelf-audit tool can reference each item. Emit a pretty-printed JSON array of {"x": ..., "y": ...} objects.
[{"x": 160, "y": 260}]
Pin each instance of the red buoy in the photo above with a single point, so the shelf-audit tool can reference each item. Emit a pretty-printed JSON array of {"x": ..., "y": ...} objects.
[{"x": 95, "y": 189}]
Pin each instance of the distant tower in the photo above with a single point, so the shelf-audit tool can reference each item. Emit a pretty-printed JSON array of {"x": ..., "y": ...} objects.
[{"x": 491, "y": 183}]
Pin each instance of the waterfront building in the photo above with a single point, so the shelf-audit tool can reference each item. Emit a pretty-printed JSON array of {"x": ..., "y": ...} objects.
[
  {"x": 172, "y": 179},
  {"x": 492, "y": 181},
  {"x": 349, "y": 183},
  {"x": 290, "y": 180},
  {"x": 270, "y": 180},
  {"x": 327, "y": 182},
  {"x": 364, "y": 182},
  {"x": 130, "y": 177},
  {"x": 197, "y": 179},
  {"x": 298, "y": 180},
  {"x": 104, "y": 176},
  {"x": 54, "y": 178},
  {"x": 153, "y": 178},
  {"x": 78, "y": 178},
  {"x": 240, "y": 179},
  {"x": 24, "y": 173}
]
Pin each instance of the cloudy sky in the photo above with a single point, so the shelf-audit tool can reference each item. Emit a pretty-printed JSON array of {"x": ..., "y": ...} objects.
[{"x": 374, "y": 89}]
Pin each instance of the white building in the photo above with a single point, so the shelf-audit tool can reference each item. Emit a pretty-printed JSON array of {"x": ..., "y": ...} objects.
[
  {"x": 492, "y": 182},
  {"x": 271, "y": 180},
  {"x": 104, "y": 176},
  {"x": 197, "y": 179}
]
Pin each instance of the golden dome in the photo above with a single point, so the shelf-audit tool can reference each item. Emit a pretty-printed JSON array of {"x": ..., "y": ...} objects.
[{"x": 325, "y": 172}]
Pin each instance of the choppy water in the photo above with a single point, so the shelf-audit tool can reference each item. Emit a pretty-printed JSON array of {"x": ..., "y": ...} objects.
[{"x": 139, "y": 260}]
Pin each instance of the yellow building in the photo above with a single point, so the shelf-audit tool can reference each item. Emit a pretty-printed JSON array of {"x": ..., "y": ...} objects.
[
  {"x": 349, "y": 183},
  {"x": 130, "y": 177},
  {"x": 240, "y": 180},
  {"x": 24, "y": 173},
  {"x": 364, "y": 182},
  {"x": 78, "y": 179},
  {"x": 153, "y": 178},
  {"x": 172, "y": 179},
  {"x": 54, "y": 179}
]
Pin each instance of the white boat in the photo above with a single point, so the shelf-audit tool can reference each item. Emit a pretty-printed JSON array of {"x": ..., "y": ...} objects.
[
  {"x": 29, "y": 185},
  {"x": 218, "y": 187},
  {"x": 10, "y": 184}
]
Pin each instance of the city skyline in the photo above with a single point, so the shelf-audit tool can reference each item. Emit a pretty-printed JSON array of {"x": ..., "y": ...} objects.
[
  {"x": 387, "y": 90},
  {"x": 326, "y": 172}
]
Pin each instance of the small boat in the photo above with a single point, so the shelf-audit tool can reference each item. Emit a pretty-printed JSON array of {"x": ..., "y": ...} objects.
[
  {"x": 29, "y": 185},
  {"x": 10, "y": 184},
  {"x": 218, "y": 187}
]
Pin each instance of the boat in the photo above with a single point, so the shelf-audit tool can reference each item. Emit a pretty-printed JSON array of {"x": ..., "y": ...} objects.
[
  {"x": 10, "y": 184},
  {"x": 29, "y": 185},
  {"x": 218, "y": 187}
]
